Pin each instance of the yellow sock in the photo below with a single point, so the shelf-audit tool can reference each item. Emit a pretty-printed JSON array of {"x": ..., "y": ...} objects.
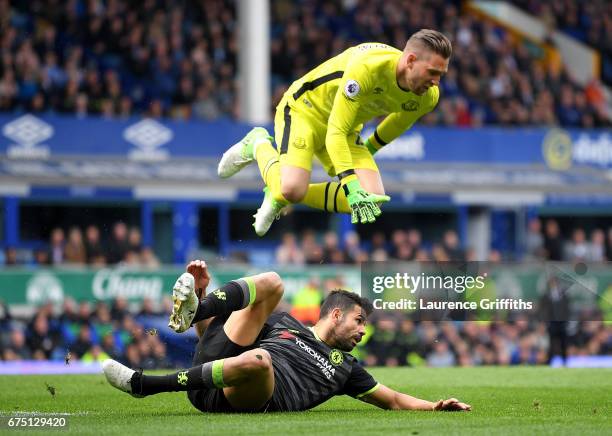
[
  {"x": 269, "y": 167},
  {"x": 328, "y": 196}
]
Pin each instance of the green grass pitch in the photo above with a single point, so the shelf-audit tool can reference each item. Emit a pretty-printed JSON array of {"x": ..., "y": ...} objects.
[{"x": 518, "y": 400}]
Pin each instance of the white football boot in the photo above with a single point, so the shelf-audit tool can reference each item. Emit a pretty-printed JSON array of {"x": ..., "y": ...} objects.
[
  {"x": 242, "y": 153},
  {"x": 119, "y": 376},
  {"x": 269, "y": 211},
  {"x": 185, "y": 303}
]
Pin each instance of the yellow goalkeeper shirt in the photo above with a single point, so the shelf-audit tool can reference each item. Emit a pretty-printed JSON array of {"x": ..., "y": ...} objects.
[{"x": 351, "y": 89}]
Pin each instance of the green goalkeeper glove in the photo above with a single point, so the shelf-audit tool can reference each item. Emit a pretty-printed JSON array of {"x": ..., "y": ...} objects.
[
  {"x": 364, "y": 205},
  {"x": 371, "y": 147}
]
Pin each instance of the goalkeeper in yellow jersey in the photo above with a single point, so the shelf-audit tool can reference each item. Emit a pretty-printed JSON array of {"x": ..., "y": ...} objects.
[{"x": 323, "y": 113}]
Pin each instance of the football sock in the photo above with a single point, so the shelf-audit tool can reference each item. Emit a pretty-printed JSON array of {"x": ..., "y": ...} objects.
[
  {"x": 234, "y": 295},
  {"x": 206, "y": 376},
  {"x": 269, "y": 167},
  {"x": 329, "y": 197}
]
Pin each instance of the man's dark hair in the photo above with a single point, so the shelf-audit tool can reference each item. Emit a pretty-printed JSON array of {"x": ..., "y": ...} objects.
[
  {"x": 433, "y": 41},
  {"x": 345, "y": 301}
]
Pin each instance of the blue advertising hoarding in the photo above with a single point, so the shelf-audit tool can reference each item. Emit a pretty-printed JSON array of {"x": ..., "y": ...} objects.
[
  {"x": 29, "y": 136},
  {"x": 145, "y": 158}
]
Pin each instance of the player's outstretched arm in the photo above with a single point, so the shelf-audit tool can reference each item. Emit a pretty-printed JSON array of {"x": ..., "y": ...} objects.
[
  {"x": 341, "y": 124},
  {"x": 389, "y": 129},
  {"x": 387, "y": 398}
]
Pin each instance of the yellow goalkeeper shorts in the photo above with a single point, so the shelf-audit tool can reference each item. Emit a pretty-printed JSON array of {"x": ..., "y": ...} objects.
[{"x": 299, "y": 138}]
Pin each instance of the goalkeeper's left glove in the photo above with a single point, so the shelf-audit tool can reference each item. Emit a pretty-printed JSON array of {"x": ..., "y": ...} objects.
[{"x": 363, "y": 204}]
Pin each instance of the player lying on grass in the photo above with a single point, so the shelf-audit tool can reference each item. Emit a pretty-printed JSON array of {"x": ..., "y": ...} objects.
[
  {"x": 322, "y": 115},
  {"x": 249, "y": 359}
]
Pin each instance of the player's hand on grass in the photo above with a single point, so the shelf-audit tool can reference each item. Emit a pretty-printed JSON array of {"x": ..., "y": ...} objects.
[
  {"x": 451, "y": 405},
  {"x": 199, "y": 271},
  {"x": 363, "y": 204}
]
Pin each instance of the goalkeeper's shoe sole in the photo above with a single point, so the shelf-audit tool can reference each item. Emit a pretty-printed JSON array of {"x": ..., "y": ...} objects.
[
  {"x": 119, "y": 376},
  {"x": 184, "y": 303},
  {"x": 269, "y": 211},
  {"x": 237, "y": 156}
]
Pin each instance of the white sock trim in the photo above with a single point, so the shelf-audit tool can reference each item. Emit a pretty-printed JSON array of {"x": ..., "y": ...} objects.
[{"x": 256, "y": 143}]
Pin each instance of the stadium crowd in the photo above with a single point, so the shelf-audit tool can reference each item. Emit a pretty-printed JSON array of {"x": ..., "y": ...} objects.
[
  {"x": 92, "y": 332},
  {"x": 545, "y": 242},
  {"x": 403, "y": 342},
  {"x": 493, "y": 78},
  {"x": 590, "y": 21},
  {"x": 118, "y": 58},
  {"x": 77, "y": 248},
  {"x": 85, "y": 333},
  {"x": 165, "y": 59}
]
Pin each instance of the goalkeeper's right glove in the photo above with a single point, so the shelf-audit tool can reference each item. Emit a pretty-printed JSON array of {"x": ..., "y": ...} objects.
[{"x": 364, "y": 205}]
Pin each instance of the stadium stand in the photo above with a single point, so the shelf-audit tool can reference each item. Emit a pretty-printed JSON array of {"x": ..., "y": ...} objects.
[
  {"x": 117, "y": 59},
  {"x": 589, "y": 22},
  {"x": 94, "y": 333},
  {"x": 113, "y": 59},
  {"x": 543, "y": 242},
  {"x": 494, "y": 78},
  {"x": 123, "y": 246}
]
